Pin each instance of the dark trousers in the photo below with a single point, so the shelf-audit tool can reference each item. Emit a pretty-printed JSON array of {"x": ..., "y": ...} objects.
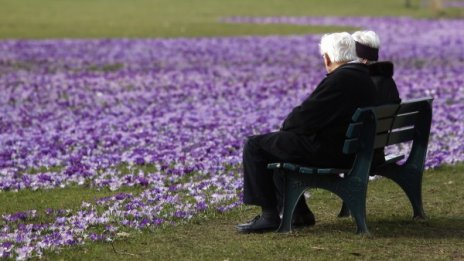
[{"x": 262, "y": 187}]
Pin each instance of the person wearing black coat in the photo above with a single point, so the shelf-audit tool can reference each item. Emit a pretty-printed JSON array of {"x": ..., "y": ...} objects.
[
  {"x": 311, "y": 134},
  {"x": 387, "y": 93},
  {"x": 382, "y": 76},
  {"x": 367, "y": 45}
]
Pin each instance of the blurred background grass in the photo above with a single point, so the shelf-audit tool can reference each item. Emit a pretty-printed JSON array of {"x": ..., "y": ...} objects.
[{"x": 189, "y": 18}]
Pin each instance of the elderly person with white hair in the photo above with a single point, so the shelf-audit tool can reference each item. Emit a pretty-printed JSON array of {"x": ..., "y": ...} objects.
[
  {"x": 367, "y": 49},
  {"x": 312, "y": 133}
]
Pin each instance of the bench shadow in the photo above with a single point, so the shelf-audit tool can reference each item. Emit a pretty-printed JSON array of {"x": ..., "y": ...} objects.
[{"x": 432, "y": 228}]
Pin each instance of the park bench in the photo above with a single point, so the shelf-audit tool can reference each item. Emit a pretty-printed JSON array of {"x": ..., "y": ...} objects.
[{"x": 370, "y": 128}]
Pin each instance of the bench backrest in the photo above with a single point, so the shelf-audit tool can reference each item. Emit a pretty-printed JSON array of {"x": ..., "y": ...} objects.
[{"x": 376, "y": 127}]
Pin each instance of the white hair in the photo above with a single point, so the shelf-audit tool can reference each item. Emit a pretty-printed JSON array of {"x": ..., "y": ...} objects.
[
  {"x": 369, "y": 38},
  {"x": 340, "y": 47}
]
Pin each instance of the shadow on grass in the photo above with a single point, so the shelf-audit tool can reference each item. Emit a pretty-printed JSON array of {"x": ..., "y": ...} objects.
[{"x": 431, "y": 228}]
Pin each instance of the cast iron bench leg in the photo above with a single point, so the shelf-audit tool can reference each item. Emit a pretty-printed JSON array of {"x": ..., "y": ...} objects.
[
  {"x": 358, "y": 211},
  {"x": 410, "y": 181},
  {"x": 294, "y": 190}
]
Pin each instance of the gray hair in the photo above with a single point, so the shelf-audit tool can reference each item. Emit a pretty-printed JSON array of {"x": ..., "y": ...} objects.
[
  {"x": 369, "y": 38},
  {"x": 340, "y": 47}
]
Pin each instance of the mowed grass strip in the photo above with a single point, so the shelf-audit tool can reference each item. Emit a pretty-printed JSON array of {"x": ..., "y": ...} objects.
[
  {"x": 57, "y": 198},
  {"x": 70, "y": 197},
  {"x": 180, "y": 18},
  {"x": 395, "y": 236}
]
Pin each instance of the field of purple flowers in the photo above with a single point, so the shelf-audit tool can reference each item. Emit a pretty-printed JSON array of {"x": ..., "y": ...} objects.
[{"x": 171, "y": 115}]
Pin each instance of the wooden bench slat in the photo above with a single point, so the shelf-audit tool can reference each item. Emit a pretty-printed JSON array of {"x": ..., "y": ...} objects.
[
  {"x": 400, "y": 121},
  {"x": 387, "y": 162},
  {"x": 274, "y": 165},
  {"x": 307, "y": 170},
  {"x": 332, "y": 171},
  {"x": 386, "y": 111},
  {"x": 404, "y": 120},
  {"x": 384, "y": 125},
  {"x": 314, "y": 170},
  {"x": 322, "y": 171},
  {"x": 290, "y": 166},
  {"x": 393, "y": 159},
  {"x": 401, "y": 136},
  {"x": 396, "y": 137},
  {"x": 413, "y": 105}
]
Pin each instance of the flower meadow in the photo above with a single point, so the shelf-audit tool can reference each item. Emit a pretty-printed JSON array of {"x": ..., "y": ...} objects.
[
  {"x": 171, "y": 116},
  {"x": 458, "y": 4}
]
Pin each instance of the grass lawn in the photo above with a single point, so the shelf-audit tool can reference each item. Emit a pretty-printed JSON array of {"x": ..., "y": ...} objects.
[
  {"x": 174, "y": 18},
  {"x": 394, "y": 234},
  {"x": 58, "y": 198}
]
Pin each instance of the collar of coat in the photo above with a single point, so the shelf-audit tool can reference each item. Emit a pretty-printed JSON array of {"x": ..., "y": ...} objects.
[
  {"x": 356, "y": 66},
  {"x": 381, "y": 69}
]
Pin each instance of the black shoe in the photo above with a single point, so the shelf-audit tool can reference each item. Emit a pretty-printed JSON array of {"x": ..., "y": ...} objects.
[
  {"x": 259, "y": 224},
  {"x": 303, "y": 220}
]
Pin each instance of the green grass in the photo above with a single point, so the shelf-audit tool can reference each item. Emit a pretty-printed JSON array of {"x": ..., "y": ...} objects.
[
  {"x": 174, "y": 18},
  {"x": 58, "y": 198},
  {"x": 394, "y": 235},
  {"x": 69, "y": 197}
]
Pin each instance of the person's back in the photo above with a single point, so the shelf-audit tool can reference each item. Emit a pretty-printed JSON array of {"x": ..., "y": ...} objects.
[
  {"x": 367, "y": 49},
  {"x": 357, "y": 91},
  {"x": 382, "y": 76}
]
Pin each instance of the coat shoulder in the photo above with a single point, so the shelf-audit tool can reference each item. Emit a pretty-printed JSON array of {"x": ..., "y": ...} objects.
[{"x": 384, "y": 69}]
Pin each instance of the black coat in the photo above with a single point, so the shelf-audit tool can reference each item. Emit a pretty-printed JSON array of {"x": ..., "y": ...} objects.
[
  {"x": 387, "y": 93},
  {"x": 381, "y": 74},
  {"x": 312, "y": 134},
  {"x": 322, "y": 118}
]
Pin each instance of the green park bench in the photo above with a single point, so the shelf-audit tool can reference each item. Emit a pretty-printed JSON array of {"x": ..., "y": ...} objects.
[{"x": 371, "y": 128}]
